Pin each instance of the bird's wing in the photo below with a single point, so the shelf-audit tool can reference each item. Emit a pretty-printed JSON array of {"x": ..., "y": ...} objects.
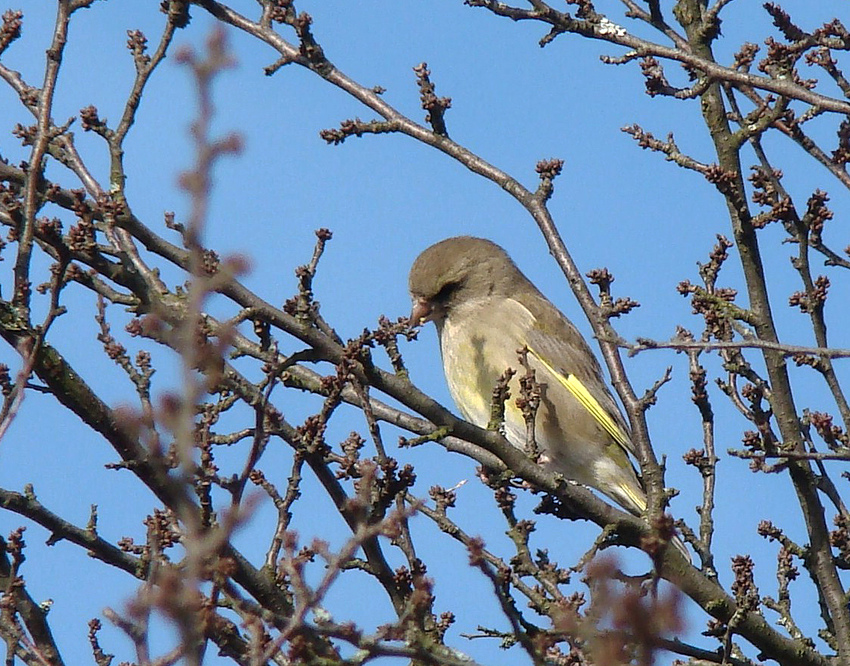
[
  {"x": 585, "y": 397},
  {"x": 561, "y": 349}
]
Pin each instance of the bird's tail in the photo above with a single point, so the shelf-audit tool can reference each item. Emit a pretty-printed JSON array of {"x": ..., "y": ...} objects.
[
  {"x": 680, "y": 546},
  {"x": 633, "y": 500}
]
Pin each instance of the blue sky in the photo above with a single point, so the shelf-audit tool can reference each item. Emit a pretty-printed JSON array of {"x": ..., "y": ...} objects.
[{"x": 386, "y": 198}]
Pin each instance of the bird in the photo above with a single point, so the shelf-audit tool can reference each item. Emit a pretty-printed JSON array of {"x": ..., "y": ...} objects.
[{"x": 486, "y": 311}]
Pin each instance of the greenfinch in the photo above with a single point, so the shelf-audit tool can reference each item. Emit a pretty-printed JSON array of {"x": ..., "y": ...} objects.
[{"x": 486, "y": 311}]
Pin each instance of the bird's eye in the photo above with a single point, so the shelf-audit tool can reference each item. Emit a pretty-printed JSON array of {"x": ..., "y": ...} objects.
[{"x": 446, "y": 292}]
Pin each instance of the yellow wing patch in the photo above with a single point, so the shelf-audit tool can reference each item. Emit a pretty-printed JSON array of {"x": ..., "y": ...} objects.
[
  {"x": 639, "y": 499},
  {"x": 591, "y": 404}
]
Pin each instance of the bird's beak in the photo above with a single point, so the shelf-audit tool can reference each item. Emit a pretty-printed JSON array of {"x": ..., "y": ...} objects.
[{"x": 421, "y": 312}]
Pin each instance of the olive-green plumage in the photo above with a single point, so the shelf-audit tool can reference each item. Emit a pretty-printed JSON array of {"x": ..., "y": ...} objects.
[{"x": 485, "y": 310}]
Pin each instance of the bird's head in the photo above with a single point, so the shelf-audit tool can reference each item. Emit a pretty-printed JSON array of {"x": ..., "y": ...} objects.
[{"x": 456, "y": 271}]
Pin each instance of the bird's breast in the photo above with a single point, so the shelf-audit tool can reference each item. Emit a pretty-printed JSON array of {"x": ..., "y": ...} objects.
[{"x": 478, "y": 344}]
